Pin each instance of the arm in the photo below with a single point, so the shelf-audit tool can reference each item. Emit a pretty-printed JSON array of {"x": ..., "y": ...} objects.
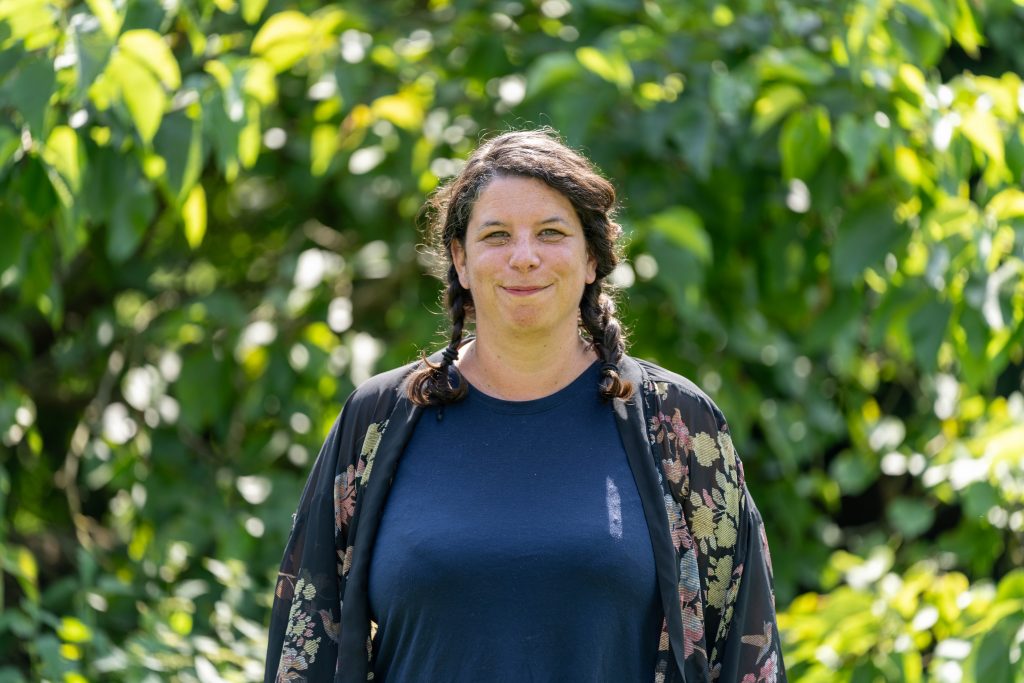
[
  {"x": 733, "y": 560},
  {"x": 304, "y": 622}
]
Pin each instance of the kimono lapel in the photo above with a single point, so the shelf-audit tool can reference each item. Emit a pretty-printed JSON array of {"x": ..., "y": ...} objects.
[
  {"x": 632, "y": 424},
  {"x": 355, "y": 617}
]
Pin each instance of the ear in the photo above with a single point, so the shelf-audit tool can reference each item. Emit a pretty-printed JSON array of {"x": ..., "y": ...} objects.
[
  {"x": 459, "y": 261},
  {"x": 591, "y": 269}
]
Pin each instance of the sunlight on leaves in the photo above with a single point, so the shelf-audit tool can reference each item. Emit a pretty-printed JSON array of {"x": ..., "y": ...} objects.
[{"x": 284, "y": 39}]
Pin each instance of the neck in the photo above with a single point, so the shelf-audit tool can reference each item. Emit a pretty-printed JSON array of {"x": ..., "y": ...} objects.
[{"x": 521, "y": 369}]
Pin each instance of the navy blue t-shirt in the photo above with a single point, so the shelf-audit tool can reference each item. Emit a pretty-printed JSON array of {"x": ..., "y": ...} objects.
[{"x": 513, "y": 547}]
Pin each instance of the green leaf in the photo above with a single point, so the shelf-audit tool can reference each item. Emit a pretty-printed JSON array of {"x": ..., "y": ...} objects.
[
  {"x": 982, "y": 129},
  {"x": 224, "y": 133},
  {"x": 250, "y": 139},
  {"x": 14, "y": 335},
  {"x": 71, "y": 233},
  {"x": 35, "y": 188},
  {"x": 141, "y": 69},
  {"x": 804, "y": 142},
  {"x": 978, "y": 498},
  {"x": 38, "y": 269},
  {"x": 110, "y": 20},
  {"x": 142, "y": 93},
  {"x": 551, "y": 71},
  {"x": 971, "y": 349},
  {"x": 952, "y": 216},
  {"x": 130, "y": 217},
  {"x": 911, "y": 517},
  {"x": 404, "y": 109},
  {"x": 685, "y": 229},
  {"x": 796, "y": 65},
  {"x": 252, "y": 10},
  {"x": 681, "y": 275},
  {"x": 611, "y": 66},
  {"x": 10, "y": 245},
  {"x": 992, "y": 655},
  {"x": 180, "y": 142},
  {"x": 194, "y": 215},
  {"x": 202, "y": 389},
  {"x": 731, "y": 93},
  {"x": 152, "y": 16},
  {"x": 852, "y": 472},
  {"x": 927, "y": 329},
  {"x": 66, "y": 159},
  {"x": 9, "y": 144},
  {"x": 618, "y": 6},
  {"x": 695, "y": 134},
  {"x": 776, "y": 102},
  {"x": 579, "y": 107},
  {"x": 31, "y": 90},
  {"x": 284, "y": 40},
  {"x": 866, "y": 672},
  {"x": 1011, "y": 586},
  {"x": 860, "y": 142},
  {"x": 93, "y": 48},
  {"x": 10, "y": 57},
  {"x": 322, "y": 147},
  {"x": 839, "y": 322},
  {"x": 1015, "y": 152},
  {"x": 62, "y": 152},
  {"x": 259, "y": 82},
  {"x": 866, "y": 234},
  {"x": 1007, "y": 204},
  {"x": 73, "y": 630},
  {"x": 151, "y": 51},
  {"x": 31, "y": 21},
  {"x": 965, "y": 30},
  {"x": 102, "y": 182}
]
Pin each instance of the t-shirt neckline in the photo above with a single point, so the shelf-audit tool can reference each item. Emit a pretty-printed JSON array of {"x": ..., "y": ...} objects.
[{"x": 585, "y": 382}]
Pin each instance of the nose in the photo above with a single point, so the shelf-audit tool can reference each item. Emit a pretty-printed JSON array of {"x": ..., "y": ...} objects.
[{"x": 523, "y": 255}]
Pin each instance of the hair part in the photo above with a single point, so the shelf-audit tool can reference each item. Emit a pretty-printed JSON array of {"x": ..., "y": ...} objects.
[{"x": 541, "y": 155}]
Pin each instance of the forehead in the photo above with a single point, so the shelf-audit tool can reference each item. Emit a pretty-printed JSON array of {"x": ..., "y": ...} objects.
[{"x": 510, "y": 197}]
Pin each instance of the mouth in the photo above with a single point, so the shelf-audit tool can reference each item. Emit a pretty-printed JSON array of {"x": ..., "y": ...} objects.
[{"x": 524, "y": 290}]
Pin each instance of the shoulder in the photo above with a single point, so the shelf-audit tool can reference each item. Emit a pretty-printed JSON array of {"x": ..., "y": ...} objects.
[
  {"x": 674, "y": 391},
  {"x": 384, "y": 385},
  {"x": 375, "y": 398}
]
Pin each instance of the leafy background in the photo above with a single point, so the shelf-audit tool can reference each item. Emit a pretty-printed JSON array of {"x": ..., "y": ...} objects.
[{"x": 208, "y": 237}]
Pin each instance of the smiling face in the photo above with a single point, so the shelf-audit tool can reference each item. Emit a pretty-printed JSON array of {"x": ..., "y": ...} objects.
[{"x": 524, "y": 260}]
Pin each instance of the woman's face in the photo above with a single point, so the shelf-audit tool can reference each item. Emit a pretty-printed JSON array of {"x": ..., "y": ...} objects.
[{"x": 524, "y": 259}]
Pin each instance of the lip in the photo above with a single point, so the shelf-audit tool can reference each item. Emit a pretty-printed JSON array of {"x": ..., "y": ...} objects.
[{"x": 524, "y": 291}]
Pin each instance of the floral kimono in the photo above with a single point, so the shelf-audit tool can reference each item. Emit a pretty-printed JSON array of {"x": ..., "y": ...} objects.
[{"x": 710, "y": 550}]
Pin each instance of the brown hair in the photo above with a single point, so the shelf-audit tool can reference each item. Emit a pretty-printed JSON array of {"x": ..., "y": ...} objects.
[{"x": 541, "y": 155}]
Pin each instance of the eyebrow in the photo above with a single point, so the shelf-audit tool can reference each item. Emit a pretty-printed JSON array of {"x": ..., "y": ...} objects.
[{"x": 502, "y": 224}]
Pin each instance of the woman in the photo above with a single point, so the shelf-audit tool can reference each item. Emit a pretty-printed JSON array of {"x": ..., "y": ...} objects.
[{"x": 530, "y": 504}]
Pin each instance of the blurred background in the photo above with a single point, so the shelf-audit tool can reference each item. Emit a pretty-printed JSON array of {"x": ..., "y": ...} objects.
[{"x": 209, "y": 235}]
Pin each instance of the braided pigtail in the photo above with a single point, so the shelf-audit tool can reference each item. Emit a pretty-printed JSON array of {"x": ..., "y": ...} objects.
[
  {"x": 432, "y": 384},
  {"x": 597, "y": 311}
]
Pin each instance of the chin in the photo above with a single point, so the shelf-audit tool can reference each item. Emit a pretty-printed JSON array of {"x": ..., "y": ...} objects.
[
  {"x": 524, "y": 324},
  {"x": 529, "y": 323}
]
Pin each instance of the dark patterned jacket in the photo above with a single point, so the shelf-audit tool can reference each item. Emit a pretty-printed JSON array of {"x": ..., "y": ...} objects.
[{"x": 710, "y": 551}]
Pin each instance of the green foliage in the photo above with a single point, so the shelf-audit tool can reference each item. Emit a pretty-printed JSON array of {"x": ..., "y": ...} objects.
[
  {"x": 208, "y": 237},
  {"x": 877, "y": 626}
]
